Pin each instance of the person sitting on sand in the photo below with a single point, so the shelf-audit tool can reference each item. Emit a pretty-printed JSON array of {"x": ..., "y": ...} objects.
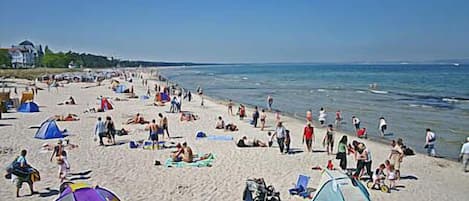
[
  {"x": 188, "y": 156},
  {"x": 176, "y": 156},
  {"x": 231, "y": 127},
  {"x": 220, "y": 123},
  {"x": 138, "y": 119},
  {"x": 188, "y": 116}
]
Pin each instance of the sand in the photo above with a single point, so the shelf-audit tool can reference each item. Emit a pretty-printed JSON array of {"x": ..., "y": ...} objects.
[{"x": 132, "y": 175}]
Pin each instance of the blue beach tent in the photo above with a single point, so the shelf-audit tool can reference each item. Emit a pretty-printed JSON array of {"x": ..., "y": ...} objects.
[
  {"x": 49, "y": 130},
  {"x": 337, "y": 186},
  {"x": 28, "y": 107}
]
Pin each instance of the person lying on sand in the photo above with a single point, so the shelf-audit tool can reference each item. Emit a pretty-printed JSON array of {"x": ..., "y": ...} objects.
[
  {"x": 188, "y": 116},
  {"x": 120, "y": 99},
  {"x": 69, "y": 101},
  {"x": 138, "y": 119},
  {"x": 244, "y": 142},
  {"x": 231, "y": 127},
  {"x": 68, "y": 117}
]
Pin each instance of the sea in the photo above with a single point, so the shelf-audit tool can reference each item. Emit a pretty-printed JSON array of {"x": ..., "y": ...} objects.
[{"x": 411, "y": 97}]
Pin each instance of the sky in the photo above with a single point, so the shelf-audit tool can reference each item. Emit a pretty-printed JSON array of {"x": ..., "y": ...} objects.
[{"x": 244, "y": 30}]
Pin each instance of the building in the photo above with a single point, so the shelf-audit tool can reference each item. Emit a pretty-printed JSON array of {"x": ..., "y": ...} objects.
[{"x": 24, "y": 55}]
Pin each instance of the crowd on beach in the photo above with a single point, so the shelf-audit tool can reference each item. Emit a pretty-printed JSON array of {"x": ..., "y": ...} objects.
[{"x": 105, "y": 132}]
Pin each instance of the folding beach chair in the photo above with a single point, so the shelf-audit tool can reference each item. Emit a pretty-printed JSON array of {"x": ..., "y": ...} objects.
[{"x": 301, "y": 187}]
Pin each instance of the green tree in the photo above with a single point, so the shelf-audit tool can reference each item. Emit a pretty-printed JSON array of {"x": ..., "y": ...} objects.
[{"x": 5, "y": 59}]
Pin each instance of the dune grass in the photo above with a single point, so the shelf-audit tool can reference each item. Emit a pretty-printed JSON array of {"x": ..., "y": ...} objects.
[{"x": 32, "y": 74}]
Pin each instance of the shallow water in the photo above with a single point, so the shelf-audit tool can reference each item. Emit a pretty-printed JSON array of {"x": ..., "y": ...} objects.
[{"x": 410, "y": 97}]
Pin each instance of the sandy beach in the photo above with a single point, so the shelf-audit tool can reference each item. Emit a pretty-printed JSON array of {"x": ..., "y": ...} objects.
[{"x": 132, "y": 175}]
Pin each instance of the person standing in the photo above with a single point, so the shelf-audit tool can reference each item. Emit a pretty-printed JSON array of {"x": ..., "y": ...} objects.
[
  {"x": 189, "y": 96},
  {"x": 280, "y": 134},
  {"x": 382, "y": 126},
  {"x": 396, "y": 156},
  {"x": 255, "y": 117},
  {"x": 338, "y": 119},
  {"x": 58, "y": 154},
  {"x": 110, "y": 130},
  {"x": 342, "y": 153},
  {"x": 263, "y": 117},
  {"x": 328, "y": 140},
  {"x": 464, "y": 155},
  {"x": 430, "y": 140},
  {"x": 308, "y": 135},
  {"x": 153, "y": 133},
  {"x": 363, "y": 160},
  {"x": 230, "y": 107},
  {"x": 100, "y": 131},
  {"x": 322, "y": 116},
  {"x": 309, "y": 116},
  {"x": 23, "y": 164},
  {"x": 241, "y": 111},
  {"x": 287, "y": 141},
  {"x": 164, "y": 124},
  {"x": 356, "y": 123},
  {"x": 270, "y": 101}
]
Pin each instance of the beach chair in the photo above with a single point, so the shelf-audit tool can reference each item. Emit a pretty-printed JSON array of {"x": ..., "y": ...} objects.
[{"x": 300, "y": 188}]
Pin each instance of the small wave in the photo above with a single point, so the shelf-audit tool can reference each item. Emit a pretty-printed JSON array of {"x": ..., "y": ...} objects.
[
  {"x": 455, "y": 100},
  {"x": 360, "y": 92},
  {"x": 257, "y": 83},
  {"x": 211, "y": 74},
  {"x": 322, "y": 90},
  {"x": 420, "y": 105},
  {"x": 245, "y": 78},
  {"x": 379, "y": 92}
]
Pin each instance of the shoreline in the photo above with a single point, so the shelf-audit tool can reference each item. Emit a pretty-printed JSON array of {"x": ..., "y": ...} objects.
[{"x": 249, "y": 107}]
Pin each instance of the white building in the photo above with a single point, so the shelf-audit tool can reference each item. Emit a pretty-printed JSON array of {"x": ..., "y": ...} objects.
[{"x": 23, "y": 55}]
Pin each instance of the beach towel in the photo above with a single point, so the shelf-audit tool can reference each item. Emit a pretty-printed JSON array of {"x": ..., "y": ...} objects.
[
  {"x": 196, "y": 163},
  {"x": 217, "y": 137}
]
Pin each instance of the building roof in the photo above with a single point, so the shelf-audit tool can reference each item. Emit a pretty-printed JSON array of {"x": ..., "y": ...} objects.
[{"x": 27, "y": 42}]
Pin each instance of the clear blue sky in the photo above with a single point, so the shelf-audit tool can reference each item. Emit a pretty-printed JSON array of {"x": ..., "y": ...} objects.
[{"x": 244, "y": 31}]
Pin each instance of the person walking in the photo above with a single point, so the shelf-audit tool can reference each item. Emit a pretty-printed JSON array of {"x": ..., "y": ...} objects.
[
  {"x": 21, "y": 163},
  {"x": 280, "y": 133},
  {"x": 338, "y": 119},
  {"x": 328, "y": 140},
  {"x": 270, "y": 101},
  {"x": 396, "y": 156},
  {"x": 342, "y": 153},
  {"x": 430, "y": 140},
  {"x": 110, "y": 130},
  {"x": 464, "y": 155},
  {"x": 255, "y": 117},
  {"x": 356, "y": 123},
  {"x": 230, "y": 107},
  {"x": 322, "y": 116},
  {"x": 308, "y": 136},
  {"x": 100, "y": 131},
  {"x": 263, "y": 117},
  {"x": 153, "y": 133}
]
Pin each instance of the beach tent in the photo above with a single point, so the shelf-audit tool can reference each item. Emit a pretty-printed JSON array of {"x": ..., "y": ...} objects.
[
  {"x": 49, "y": 130},
  {"x": 27, "y": 96},
  {"x": 28, "y": 107},
  {"x": 163, "y": 97},
  {"x": 120, "y": 88},
  {"x": 337, "y": 186},
  {"x": 84, "y": 192},
  {"x": 105, "y": 104}
]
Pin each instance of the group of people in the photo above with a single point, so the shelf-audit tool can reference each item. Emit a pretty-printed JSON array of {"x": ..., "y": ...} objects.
[
  {"x": 105, "y": 129},
  {"x": 158, "y": 128}
]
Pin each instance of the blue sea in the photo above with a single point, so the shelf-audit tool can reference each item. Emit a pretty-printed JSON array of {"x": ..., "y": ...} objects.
[{"x": 410, "y": 97}]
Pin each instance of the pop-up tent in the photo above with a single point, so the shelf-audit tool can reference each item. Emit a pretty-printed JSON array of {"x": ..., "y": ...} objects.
[
  {"x": 85, "y": 192},
  {"x": 337, "y": 186},
  {"x": 162, "y": 97},
  {"x": 28, "y": 107},
  {"x": 49, "y": 130},
  {"x": 106, "y": 105}
]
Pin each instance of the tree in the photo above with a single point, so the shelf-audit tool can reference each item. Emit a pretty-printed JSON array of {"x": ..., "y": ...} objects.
[{"x": 5, "y": 59}]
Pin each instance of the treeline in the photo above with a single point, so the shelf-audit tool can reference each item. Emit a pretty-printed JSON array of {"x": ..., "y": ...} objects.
[{"x": 52, "y": 59}]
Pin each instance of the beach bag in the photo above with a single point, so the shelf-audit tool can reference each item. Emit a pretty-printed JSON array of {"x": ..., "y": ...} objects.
[
  {"x": 133, "y": 144},
  {"x": 201, "y": 134}
]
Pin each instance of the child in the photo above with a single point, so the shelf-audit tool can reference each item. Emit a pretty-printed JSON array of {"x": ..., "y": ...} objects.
[
  {"x": 378, "y": 175},
  {"x": 287, "y": 141},
  {"x": 387, "y": 165},
  {"x": 64, "y": 167},
  {"x": 392, "y": 177},
  {"x": 269, "y": 138}
]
